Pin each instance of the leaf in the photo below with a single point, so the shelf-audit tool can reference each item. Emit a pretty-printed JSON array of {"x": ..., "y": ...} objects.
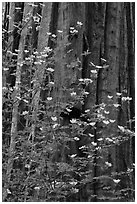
[
  {"x": 109, "y": 139},
  {"x": 73, "y": 155},
  {"x": 5, "y": 68},
  {"x": 88, "y": 110},
  {"x": 105, "y": 66},
  {"x": 55, "y": 125},
  {"x": 75, "y": 190},
  {"x": 69, "y": 50},
  {"x": 98, "y": 66},
  {"x": 8, "y": 191},
  {"x": 81, "y": 79},
  {"x": 25, "y": 101},
  {"x": 121, "y": 128},
  {"x": 51, "y": 83},
  {"x": 104, "y": 60},
  {"x": 18, "y": 98},
  {"x": 87, "y": 80},
  {"x": 82, "y": 147},
  {"x": 92, "y": 123},
  {"x": 86, "y": 93}
]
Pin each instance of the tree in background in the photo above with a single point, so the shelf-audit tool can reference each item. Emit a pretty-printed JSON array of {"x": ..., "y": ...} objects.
[{"x": 68, "y": 101}]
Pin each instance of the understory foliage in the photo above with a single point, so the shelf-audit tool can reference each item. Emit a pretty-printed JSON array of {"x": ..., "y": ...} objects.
[{"x": 57, "y": 161}]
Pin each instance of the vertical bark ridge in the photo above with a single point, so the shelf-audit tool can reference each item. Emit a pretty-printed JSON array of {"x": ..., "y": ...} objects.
[
  {"x": 40, "y": 69},
  {"x": 18, "y": 14},
  {"x": 131, "y": 61}
]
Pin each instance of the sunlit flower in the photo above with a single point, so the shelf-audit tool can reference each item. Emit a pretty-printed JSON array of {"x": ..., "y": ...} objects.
[
  {"x": 116, "y": 180},
  {"x": 50, "y": 69},
  {"x": 126, "y": 98},
  {"x": 76, "y": 138},
  {"x": 118, "y": 94},
  {"x": 94, "y": 143},
  {"x": 110, "y": 97},
  {"x": 69, "y": 110},
  {"x": 91, "y": 135},
  {"x": 55, "y": 125},
  {"x": 36, "y": 187},
  {"x": 93, "y": 71},
  {"x": 100, "y": 139},
  {"x": 73, "y": 93},
  {"x": 72, "y": 28},
  {"x": 92, "y": 123},
  {"x": 116, "y": 105},
  {"x": 54, "y": 118},
  {"x": 53, "y": 35},
  {"x": 49, "y": 98},
  {"x": 106, "y": 112},
  {"x": 111, "y": 121},
  {"x": 73, "y": 182},
  {"x": 48, "y": 33},
  {"x": 79, "y": 23},
  {"x": 108, "y": 164},
  {"x": 60, "y": 31},
  {"x": 106, "y": 122},
  {"x": 73, "y": 120},
  {"x": 24, "y": 112}
]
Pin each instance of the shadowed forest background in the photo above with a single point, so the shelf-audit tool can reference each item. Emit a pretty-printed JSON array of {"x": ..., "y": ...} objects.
[{"x": 68, "y": 101}]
